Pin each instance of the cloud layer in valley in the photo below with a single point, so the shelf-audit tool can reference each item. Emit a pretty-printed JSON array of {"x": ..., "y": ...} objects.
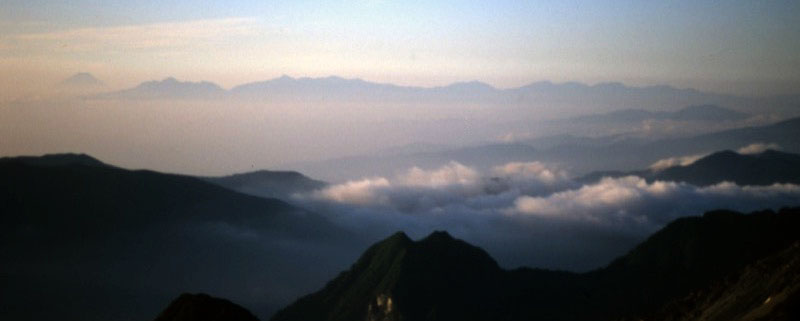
[{"x": 532, "y": 213}]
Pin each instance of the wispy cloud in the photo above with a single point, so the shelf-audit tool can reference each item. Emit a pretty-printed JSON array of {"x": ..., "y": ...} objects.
[
  {"x": 136, "y": 37},
  {"x": 663, "y": 164},
  {"x": 756, "y": 148}
]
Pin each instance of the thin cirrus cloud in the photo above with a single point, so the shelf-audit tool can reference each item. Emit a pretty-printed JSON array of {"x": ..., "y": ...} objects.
[{"x": 137, "y": 37}]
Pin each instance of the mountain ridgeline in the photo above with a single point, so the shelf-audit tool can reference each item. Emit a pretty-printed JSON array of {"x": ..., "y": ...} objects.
[
  {"x": 414, "y": 279},
  {"x": 202, "y": 307},
  {"x": 766, "y": 168},
  {"x": 767, "y": 290},
  {"x": 110, "y": 244},
  {"x": 582, "y": 155},
  {"x": 442, "y": 278},
  {"x": 271, "y": 184},
  {"x": 606, "y": 96}
]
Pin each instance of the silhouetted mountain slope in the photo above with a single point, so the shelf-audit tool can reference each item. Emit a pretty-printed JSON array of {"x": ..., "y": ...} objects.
[
  {"x": 55, "y": 160},
  {"x": 579, "y": 155},
  {"x": 782, "y": 133},
  {"x": 401, "y": 279},
  {"x": 271, "y": 184},
  {"x": 441, "y": 278},
  {"x": 766, "y": 168},
  {"x": 108, "y": 243},
  {"x": 202, "y": 307},
  {"x": 766, "y": 290},
  {"x": 628, "y": 155},
  {"x": 689, "y": 254},
  {"x": 65, "y": 190}
]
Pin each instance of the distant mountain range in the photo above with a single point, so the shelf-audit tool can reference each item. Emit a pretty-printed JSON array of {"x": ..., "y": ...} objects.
[
  {"x": 169, "y": 88},
  {"x": 442, "y": 278},
  {"x": 604, "y": 96},
  {"x": 766, "y": 168},
  {"x": 118, "y": 242},
  {"x": 579, "y": 155}
]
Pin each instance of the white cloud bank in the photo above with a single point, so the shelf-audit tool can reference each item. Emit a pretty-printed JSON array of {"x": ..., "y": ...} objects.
[
  {"x": 544, "y": 192},
  {"x": 531, "y": 171},
  {"x": 451, "y": 174},
  {"x": 421, "y": 189},
  {"x": 531, "y": 213},
  {"x": 632, "y": 199}
]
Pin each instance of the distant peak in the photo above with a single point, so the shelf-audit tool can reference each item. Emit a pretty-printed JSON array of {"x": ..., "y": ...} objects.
[
  {"x": 470, "y": 85},
  {"x": 723, "y": 153},
  {"x": 82, "y": 78},
  {"x": 610, "y": 85},
  {"x": 440, "y": 235},
  {"x": 400, "y": 235}
]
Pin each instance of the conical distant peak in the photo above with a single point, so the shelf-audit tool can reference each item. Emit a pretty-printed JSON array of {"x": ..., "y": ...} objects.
[
  {"x": 439, "y": 235},
  {"x": 400, "y": 235}
]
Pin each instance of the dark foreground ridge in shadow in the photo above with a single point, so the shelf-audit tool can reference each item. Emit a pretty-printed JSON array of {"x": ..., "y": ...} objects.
[
  {"x": 202, "y": 307},
  {"x": 721, "y": 266}
]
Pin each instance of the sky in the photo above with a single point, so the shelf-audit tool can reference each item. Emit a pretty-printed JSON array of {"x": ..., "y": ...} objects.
[{"x": 741, "y": 47}]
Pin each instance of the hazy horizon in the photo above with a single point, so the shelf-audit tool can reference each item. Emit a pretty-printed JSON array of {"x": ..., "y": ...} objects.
[{"x": 734, "y": 48}]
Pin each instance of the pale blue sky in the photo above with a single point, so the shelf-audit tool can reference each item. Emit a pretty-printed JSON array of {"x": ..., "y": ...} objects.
[{"x": 747, "y": 47}]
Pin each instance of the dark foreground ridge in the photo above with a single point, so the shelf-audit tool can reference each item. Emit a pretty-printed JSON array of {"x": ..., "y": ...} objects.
[
  {"x": 99, "y": 239},
  {"x": 202, "y": 307},
  {"x": 443, "y": 278},
  {"x": 766, "y": 290}
]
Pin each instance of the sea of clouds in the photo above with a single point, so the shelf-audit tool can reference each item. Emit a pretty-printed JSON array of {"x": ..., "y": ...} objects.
[{"x": 532, "y": 213}]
